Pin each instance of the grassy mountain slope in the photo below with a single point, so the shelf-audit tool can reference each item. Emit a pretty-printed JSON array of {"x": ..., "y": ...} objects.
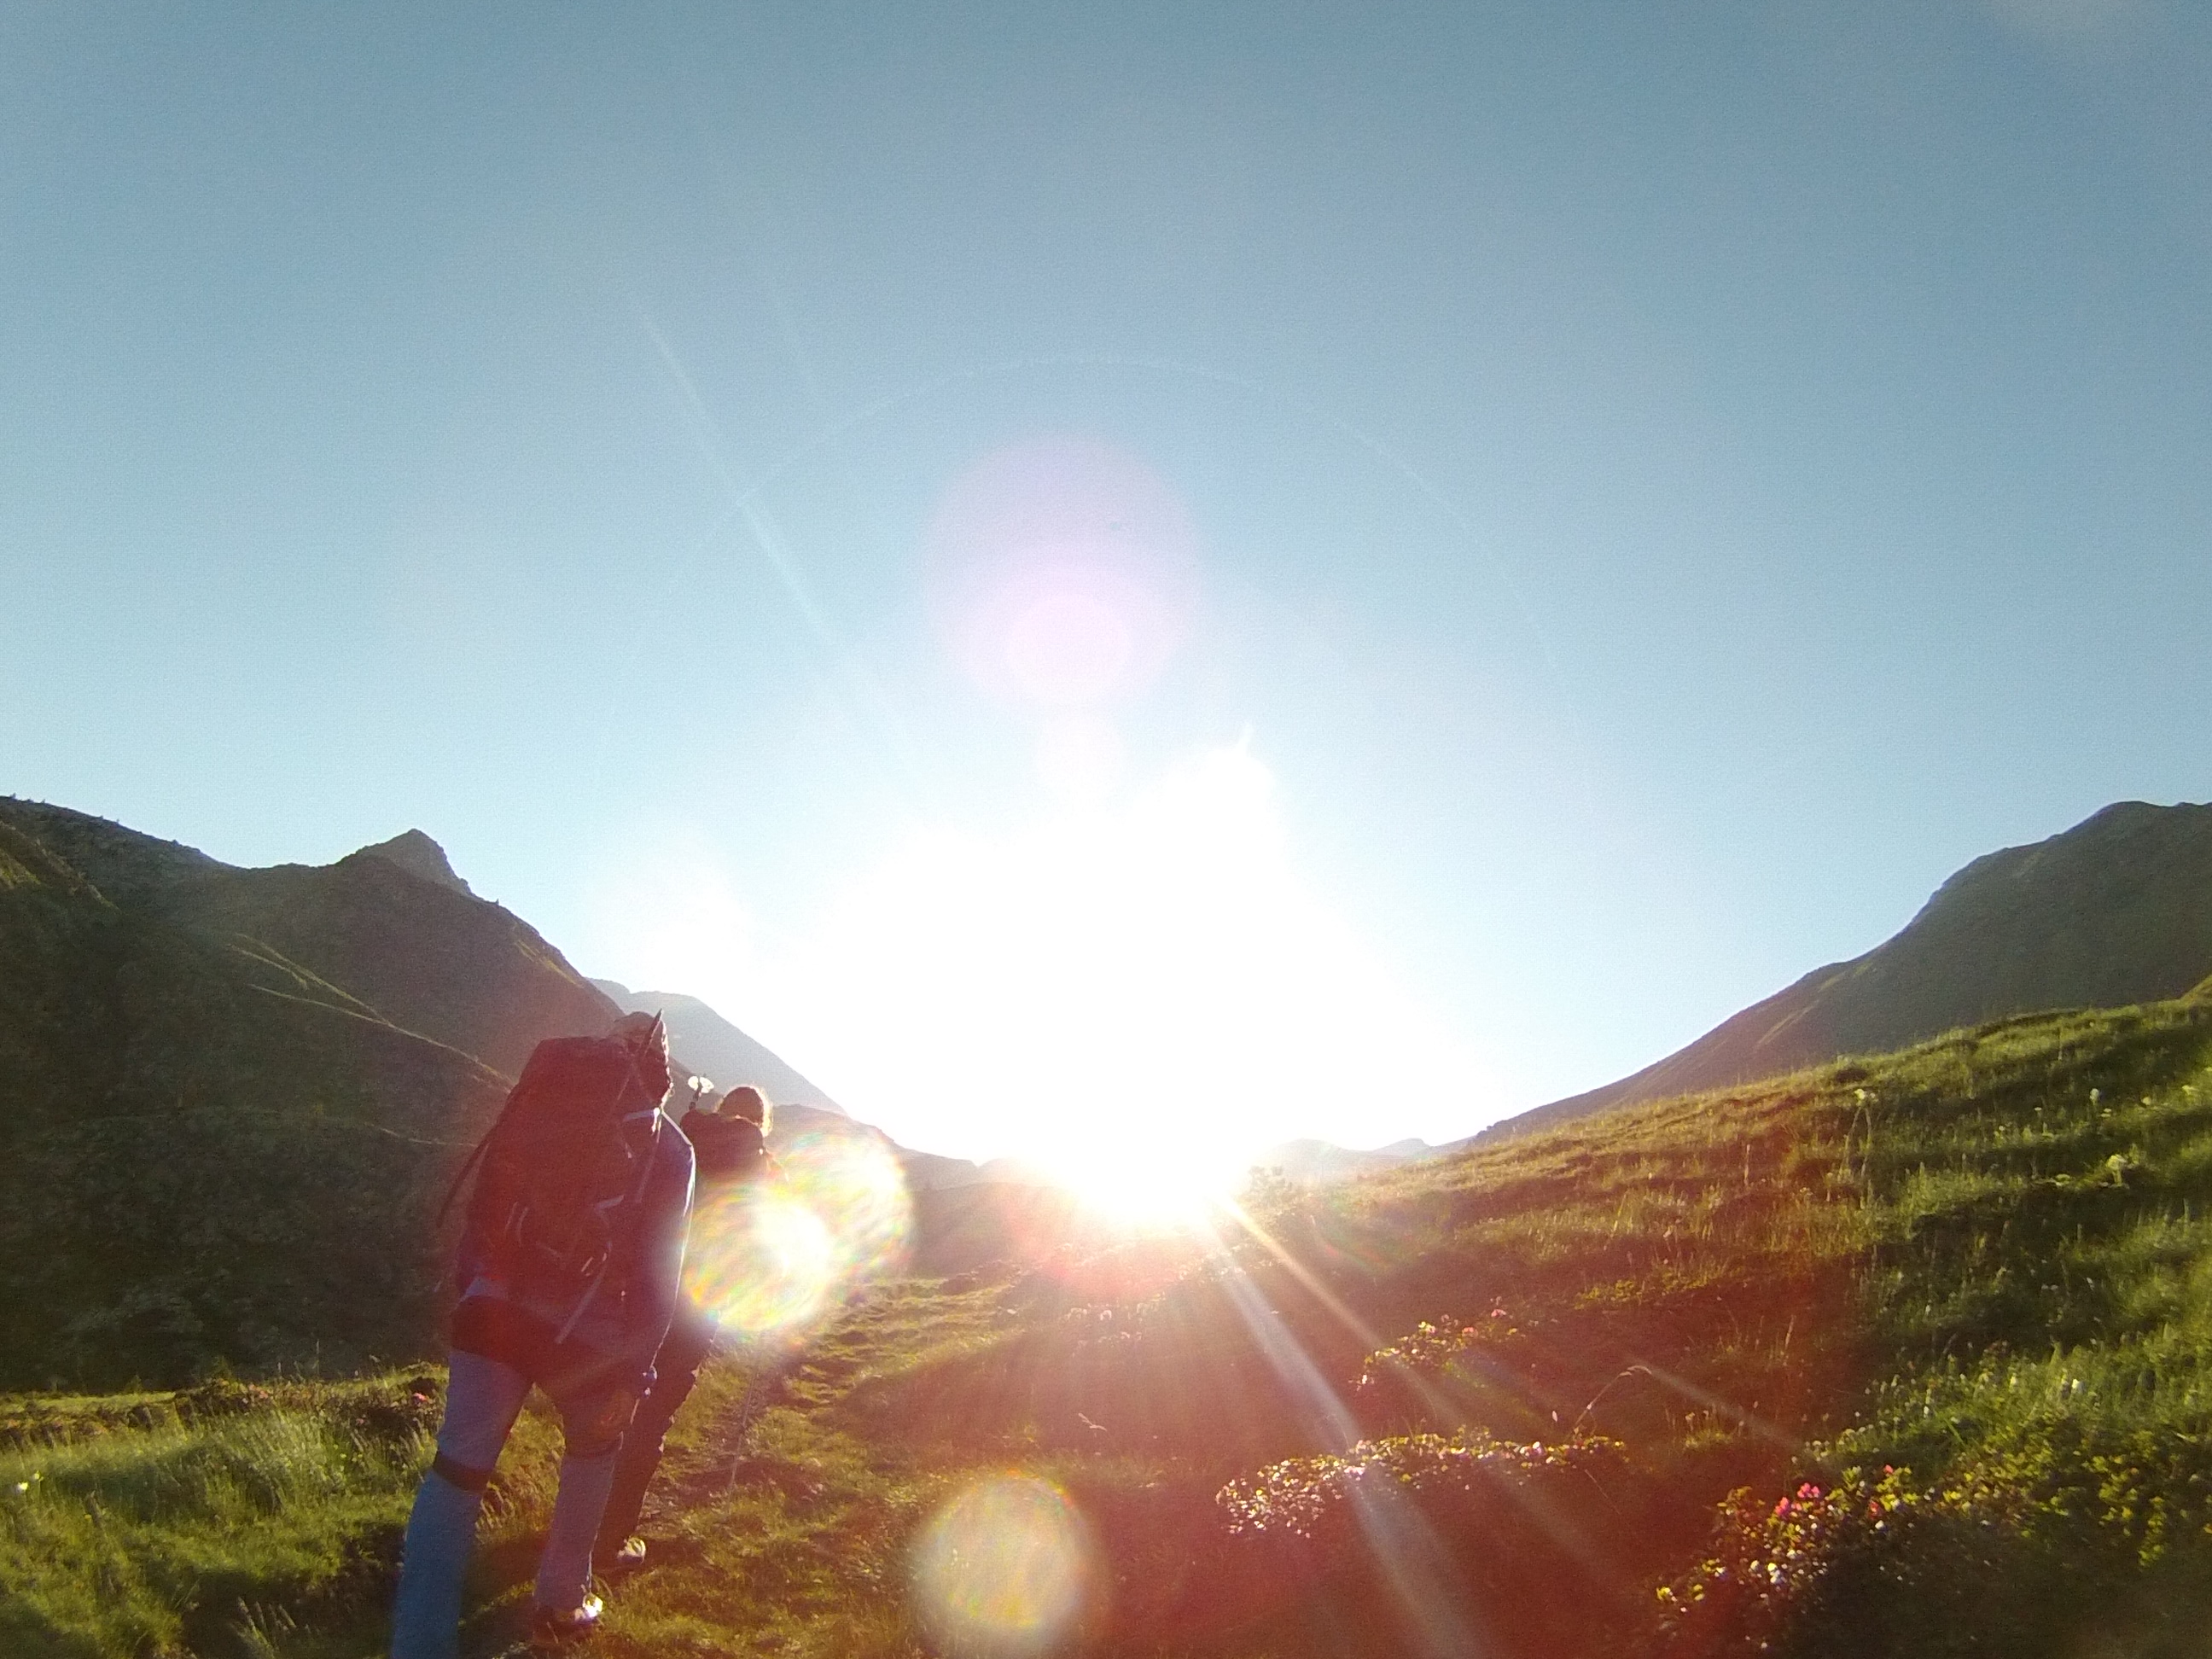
[
  {"x": 229, "y": 1099},
  {"x": 1910, "y": 1355},
  {"x": 421, "y": 953},
  {"x": 2116, "y": 910},
  {"x": 127, "y": 868},
  {"x": 208, "y": 1155},
  {"x": 428, "y": 959}
]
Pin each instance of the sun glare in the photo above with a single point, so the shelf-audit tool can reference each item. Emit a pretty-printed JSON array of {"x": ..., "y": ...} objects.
[
  {"x": 1150, "y": 1188},
  {"x": 1138, "y": 999}
]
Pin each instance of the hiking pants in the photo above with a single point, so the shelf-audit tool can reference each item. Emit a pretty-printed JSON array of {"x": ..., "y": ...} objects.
[
  {"x": 482, "y": 1401},
  {"x": 675, "y": 1373}
]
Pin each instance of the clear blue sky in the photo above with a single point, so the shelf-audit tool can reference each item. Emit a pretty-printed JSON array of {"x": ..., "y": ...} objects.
[{"x": 1652, "y": 489}]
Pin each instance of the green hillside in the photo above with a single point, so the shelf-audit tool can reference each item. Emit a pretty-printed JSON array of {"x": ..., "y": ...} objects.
[
  {"x": 1906, "y": 1355},
  {"x": 210, "y": 1154},
  {"x": 417, "y": 951},
  {"x": 2116, "y": 910}
]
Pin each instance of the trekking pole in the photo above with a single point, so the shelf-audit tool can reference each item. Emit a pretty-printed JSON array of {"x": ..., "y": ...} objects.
[{"x": 750, "y": 1404}]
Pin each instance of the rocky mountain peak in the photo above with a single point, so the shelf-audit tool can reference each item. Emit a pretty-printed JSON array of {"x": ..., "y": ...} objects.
[{"x": 419, "y": 855}]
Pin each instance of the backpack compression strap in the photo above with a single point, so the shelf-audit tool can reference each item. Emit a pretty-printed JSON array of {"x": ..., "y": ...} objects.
[{"x": 637, "y": 1195}]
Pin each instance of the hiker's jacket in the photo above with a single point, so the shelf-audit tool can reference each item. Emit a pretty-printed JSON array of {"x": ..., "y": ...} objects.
[{"x": 626, "y": 1320}]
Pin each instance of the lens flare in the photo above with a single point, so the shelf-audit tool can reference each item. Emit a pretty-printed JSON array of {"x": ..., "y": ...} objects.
[
  {"x": 1062, "y": 572},
  {"x": 773, "y": 1258},
  {"x": 1068, "y": 648},
  {"x": 759, "y": 1263},
  {"x": 1004, "y": 1570}
]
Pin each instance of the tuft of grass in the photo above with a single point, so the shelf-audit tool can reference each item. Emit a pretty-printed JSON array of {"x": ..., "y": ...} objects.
[{"x": 190, "y": 1535}]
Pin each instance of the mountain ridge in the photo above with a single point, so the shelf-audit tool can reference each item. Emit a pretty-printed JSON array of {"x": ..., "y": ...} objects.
[{"x": 2114, "y": 911}]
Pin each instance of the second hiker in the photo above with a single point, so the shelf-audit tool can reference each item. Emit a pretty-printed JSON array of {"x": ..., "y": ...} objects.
[{"x": 731, "y": 1145}]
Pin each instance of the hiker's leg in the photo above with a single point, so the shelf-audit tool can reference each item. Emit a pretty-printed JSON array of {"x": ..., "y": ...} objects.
[
  {"x": 482, "y": 1399},
  {"x": 592, "y": 1428},
  {"x": 676, "y": 1372}
]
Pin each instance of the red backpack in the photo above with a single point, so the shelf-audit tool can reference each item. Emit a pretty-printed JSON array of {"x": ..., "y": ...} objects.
[{"x": 555, "y": 1208}]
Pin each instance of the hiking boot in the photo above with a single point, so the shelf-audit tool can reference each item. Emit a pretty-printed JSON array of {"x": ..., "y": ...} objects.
[
  {"x": 551, "y": 1629},
  {"x": 628, "y": 1557}
]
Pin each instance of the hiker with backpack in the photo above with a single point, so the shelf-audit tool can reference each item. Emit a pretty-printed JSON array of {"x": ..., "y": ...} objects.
[
  {"x": 729, "y": 1145},
  {"x": 570, "y": 1269}
]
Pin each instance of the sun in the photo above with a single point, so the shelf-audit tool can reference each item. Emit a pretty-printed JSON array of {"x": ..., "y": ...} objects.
[
  {"x": 1138, "y": 996},
  {"x": 1144, "y": 1194}
]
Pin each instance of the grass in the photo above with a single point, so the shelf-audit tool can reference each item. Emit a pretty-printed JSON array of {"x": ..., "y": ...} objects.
[
  {"x": 791, "y": 1541},
  {"x": 195, "y": 1521},
  {"x": 2041, "y": 1285},
  {"x": 1917, "y": 1345}
]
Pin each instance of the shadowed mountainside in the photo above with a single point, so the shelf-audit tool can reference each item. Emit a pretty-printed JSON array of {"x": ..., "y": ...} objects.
[
  {"x": 2115, "y": 911},
  {"x": 208, "y": 1154},
  {"x": 418, "y": 949}
]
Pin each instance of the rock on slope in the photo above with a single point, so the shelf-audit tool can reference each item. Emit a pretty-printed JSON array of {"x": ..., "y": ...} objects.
[{"x": 2116, "y": 910}]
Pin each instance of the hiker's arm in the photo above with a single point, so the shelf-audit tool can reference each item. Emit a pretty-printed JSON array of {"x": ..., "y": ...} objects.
[{"x": 659, "y": 1279}]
